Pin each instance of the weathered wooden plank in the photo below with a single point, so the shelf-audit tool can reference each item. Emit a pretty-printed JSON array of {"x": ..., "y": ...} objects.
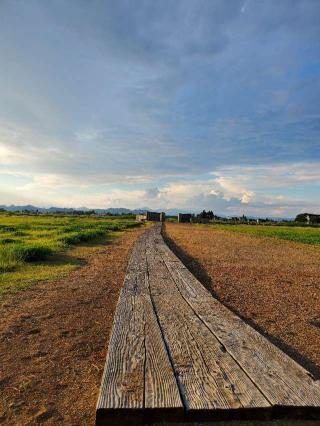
[
  {"x": 138, "y": 375},
  {"x": 161, "y": 390},
  {"x": 123, "y": 379},
  {"x": 137, "y": 261},
  {"x": 280, "y": 379},
  {"x": 208, "y": 376}
]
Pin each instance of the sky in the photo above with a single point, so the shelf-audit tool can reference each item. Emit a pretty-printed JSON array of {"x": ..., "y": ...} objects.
[{"x": 192, "y": 104}]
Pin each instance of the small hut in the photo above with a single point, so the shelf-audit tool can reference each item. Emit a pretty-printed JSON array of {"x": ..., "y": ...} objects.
[
  {"x": 185, "y": 217},
  {"x": 155, "y": 216}
]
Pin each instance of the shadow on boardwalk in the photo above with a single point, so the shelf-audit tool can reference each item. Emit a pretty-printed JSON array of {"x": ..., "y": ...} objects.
[{"x": 201, "y": 274}]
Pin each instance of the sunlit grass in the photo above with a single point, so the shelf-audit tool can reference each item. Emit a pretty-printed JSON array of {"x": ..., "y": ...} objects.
[
  {"x": 298, "y": 234},
  {"x": 36, "y": 248}
]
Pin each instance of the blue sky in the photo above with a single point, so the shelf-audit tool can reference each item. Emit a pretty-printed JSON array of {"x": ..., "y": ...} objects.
[{"x": 172, "y": 104}]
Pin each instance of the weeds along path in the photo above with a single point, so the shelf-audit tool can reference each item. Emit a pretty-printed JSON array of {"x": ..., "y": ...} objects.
[{"x": 53, "y": 339}]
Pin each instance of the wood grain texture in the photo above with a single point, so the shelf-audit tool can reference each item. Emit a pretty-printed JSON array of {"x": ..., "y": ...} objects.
[
  {"x": 208, "y": 376},
  {"x": 281, "y": 379},
  {"x": 138, "y": 374},
  {"x": 177, "y": 354}
]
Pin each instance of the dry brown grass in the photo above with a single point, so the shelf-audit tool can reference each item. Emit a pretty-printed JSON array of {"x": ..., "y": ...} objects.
[
  {"x": 53, "y": 339},
  {"x": 273, "y": 284}
]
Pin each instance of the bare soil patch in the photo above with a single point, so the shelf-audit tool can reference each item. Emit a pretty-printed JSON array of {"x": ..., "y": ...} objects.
[
  {"x": 53, "y": 340},
  {"x": 273, "y": 284}
]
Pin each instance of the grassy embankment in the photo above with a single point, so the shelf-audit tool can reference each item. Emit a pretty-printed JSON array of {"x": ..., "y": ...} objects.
[
  {"x": 34, "y": 248},
  {"x": 307, "y": 235}
]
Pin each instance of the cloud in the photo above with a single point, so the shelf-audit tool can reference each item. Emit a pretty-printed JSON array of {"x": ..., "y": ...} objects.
[
  {"x": 279, "y": 175},
  {"x": 152, "y": 193},
  {"x": 122, "y": 102},
  {"x": 234, "y": 190},
  {"x": 247, "y": 197}
]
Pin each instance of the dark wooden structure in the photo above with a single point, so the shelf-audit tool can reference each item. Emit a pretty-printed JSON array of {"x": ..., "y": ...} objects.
[
  {"x": 177, "y": 354},
  {"x": 151, "y": 216},
  {"x": 185, "y": 217},
  {"x": 155, "y": 216}
]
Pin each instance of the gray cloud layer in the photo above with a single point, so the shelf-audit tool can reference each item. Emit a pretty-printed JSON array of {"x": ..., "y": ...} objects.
[{"x": 112, "y": 92}]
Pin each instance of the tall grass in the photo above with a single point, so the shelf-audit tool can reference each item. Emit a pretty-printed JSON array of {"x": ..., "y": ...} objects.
[
  {"x": 34, "y": 238},
  {"x": 8, "y": 261}
]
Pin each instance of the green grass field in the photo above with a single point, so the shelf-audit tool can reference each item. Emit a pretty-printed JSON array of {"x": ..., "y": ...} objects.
[
  {"x": 298, "y": 234},
  {"x": 34, "y": 248}
]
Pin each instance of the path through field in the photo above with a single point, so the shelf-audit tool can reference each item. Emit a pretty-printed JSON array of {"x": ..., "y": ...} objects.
[{"x": 177, "y": 354}]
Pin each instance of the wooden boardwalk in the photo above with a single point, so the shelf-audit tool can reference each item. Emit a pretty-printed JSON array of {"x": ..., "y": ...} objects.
[{"x": 176, "y": 354}]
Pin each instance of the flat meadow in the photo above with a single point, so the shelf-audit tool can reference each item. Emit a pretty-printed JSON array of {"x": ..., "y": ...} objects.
[
  {"x": 268, "y": 274},
  {"x": 299, "y": 234},
  {"x": 41, "y": 247}
]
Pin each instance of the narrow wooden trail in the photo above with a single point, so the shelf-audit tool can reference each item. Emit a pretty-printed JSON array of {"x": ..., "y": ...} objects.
[{"x": 176, "y": 354}]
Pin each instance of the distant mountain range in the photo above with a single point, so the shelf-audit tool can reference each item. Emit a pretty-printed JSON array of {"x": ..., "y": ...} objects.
[
  {"x": 112, "y": 210},
  {"x": 29, "y": 207}
]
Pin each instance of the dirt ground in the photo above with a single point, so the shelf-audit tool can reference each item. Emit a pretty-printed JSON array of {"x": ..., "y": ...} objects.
[
  {"x": 53, "y": 339},
  {"x": 273, "y": 284}
]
